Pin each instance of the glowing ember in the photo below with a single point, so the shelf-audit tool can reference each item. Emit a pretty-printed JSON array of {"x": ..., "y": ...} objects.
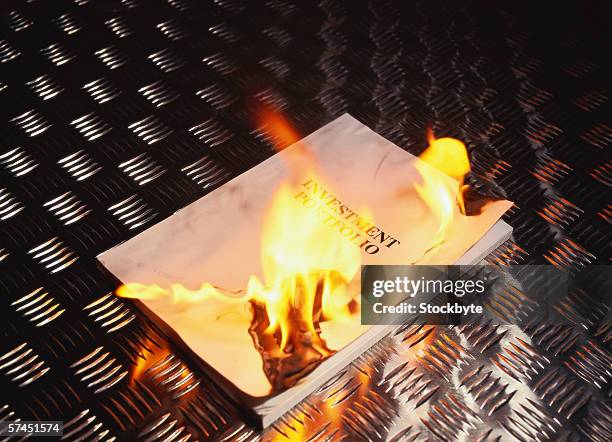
[{"x": 450, "y": 157}]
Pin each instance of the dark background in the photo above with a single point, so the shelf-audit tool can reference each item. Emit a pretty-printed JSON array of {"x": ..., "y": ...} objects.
[{"x": 83, "y": 86}]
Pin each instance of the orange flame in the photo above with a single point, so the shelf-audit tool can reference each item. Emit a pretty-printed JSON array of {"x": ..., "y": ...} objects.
[
  {"x": 274, "y": 124},
  {"x": 449, "y": 156}
]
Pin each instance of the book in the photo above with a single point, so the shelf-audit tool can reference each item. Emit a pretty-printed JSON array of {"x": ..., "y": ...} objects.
[{"x": 361, "y": 186}]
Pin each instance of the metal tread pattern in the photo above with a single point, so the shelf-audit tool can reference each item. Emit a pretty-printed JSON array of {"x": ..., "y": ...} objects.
[{"x": 114, "y": 114}]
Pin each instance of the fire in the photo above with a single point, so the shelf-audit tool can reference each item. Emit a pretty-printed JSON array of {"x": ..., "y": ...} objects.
[
  {"x": 302, "y": 260},
  {"x": 307, "y": 267},
  {"x": 306, "y": 271},
  {"x": 178, "y": 292},
  {"x": 449, "y": 156}
]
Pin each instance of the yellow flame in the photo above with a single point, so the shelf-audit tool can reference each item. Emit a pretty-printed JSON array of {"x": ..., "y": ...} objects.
[
  {"x": 178, "y": 292},
  {"x": 450, "y": 157},
  {"x": 303, "y": 260},
  {"x": 301, "y": 257}
]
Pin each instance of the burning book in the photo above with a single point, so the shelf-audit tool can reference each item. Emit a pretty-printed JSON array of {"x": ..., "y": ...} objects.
[{"x": 259, "y": 280}]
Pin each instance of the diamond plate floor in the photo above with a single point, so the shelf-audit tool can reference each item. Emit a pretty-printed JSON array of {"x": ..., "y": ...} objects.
[{"x": 114, "y": 114}]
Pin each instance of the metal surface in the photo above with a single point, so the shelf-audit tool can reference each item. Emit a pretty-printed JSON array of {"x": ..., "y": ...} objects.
[{"x": 115, "y": 113}]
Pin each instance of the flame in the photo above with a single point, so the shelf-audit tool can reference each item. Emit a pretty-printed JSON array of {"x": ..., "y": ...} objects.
[
  {"x": 302, "y": 257},
  {"x": 277, "y": 127},
  {"x": 146, "y": 359},
  {"x": 449, "y": 156},
  {"x": 306, "y": 265},
  {"x": 178, "y": 292}
]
